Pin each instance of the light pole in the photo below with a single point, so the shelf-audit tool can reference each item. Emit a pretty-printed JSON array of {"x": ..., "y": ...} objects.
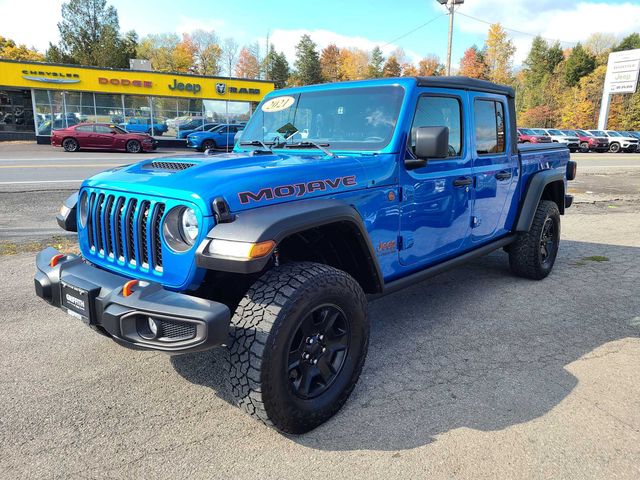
[{"x": 450, "y": 4}]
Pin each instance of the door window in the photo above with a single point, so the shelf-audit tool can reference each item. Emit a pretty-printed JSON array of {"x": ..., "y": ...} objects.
[
  {"x": 102, "y": 129},
  {"x": 433, "y": 111},
  {"x": 85, "y": 128},
  {"x": 490, "y": 129}
]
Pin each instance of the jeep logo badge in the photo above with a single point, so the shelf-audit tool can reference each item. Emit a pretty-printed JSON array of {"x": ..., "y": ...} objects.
[{"x": 221, "y": 88}]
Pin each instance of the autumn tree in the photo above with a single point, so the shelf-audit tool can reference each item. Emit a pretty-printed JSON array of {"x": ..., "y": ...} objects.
[
  {"x": 409, "y": 70},
  {"x": 376, "y": 63},
  {"x": 90, "y": 35},
  {"x": 354, "y": 64},
  {"x": 167, "y": 52},
  {"x": 472, "y": 64},
  {"x": 207, "y": 52},
  {"x": 579, "y": 63},
  {"x": 430, "y": 66},
  {"x": 582, "y": 102},
  {"x": 538, "y": 68},
  {"x": 600, "y": 43},
  {"x": 392, "y": 67},
  {"x": 499, "y": 55},
  {"x": 11, "y": 51},
  {"x": 276, "y": 67},
  {"x": 307, "y": 64},
  {"x": 247, "y": 65},
  {"x": 330, "y": 63}
]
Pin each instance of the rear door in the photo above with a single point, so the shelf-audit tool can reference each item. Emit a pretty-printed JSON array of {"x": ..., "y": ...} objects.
[
  {"x": 84, "y": 135},
  {"x": 436, "y": 198},
  {"x": 495, "y": 168}
]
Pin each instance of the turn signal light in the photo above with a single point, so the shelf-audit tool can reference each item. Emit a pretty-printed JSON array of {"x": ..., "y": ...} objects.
[
  {"x": 261, "y": 249},
  {"x": 56, "y": 259},
  {"x": 128, "y": 287}
]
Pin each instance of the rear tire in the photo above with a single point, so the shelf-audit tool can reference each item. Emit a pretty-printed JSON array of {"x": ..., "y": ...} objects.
[
  {"x": 533, "y": 254},
  {"x": 298, "y": 341},
  {"x": 133, "y": 146},
  {"x": 70, "y": 145}
]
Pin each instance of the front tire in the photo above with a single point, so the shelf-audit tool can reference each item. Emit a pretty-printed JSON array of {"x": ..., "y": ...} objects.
[
  {"x": 133, "y": 146},
  {"x": 70, "y": 145},
  {"x": 208, "y": 145},
  {"x": 614, "y": 147},
  {"x": 584, "y": 147},
  {"x": 533, "y": 253},
  {"x": 298, "y": 341}
]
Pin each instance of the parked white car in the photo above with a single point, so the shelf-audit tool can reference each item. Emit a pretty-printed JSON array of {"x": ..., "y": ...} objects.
[
  {"x": 557, "y": 136},
  {"x": 618, "y": 142}
]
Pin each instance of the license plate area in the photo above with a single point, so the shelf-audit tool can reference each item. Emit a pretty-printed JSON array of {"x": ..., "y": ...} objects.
[{"x": 78, "y": 298}]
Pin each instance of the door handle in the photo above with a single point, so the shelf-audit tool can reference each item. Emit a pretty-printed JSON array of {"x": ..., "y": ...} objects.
[
  {"x": 503, "y": 175},
  {"x": 462, "y": 182}
]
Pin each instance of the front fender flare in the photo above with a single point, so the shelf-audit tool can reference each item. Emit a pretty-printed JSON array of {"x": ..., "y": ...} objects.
[{"x": 276, "y": 222}]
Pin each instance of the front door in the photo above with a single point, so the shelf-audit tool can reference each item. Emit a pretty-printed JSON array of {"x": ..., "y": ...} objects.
[
  {"x": 495, "y": 167},
  {"x": 436, "y": 198},
  {"x": 103, "y": 137}
]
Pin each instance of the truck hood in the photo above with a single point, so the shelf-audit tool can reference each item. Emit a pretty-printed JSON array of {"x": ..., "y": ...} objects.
[{"x": 245, "y": 180}]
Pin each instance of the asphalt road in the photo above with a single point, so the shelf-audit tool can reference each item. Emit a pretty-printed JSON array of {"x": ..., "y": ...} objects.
[{"x": 472, "y": 374}]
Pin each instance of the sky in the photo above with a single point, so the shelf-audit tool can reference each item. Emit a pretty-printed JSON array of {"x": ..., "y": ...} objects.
[{"x": 347, "y": 23}]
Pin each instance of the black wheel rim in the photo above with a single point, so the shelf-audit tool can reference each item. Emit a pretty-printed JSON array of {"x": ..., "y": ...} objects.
[
  {"x": 70, "y": 144},
  {"x": 318, "y": 351},
  {"x": 134, "y": 147},
  {"x": 548, "y": 242}
]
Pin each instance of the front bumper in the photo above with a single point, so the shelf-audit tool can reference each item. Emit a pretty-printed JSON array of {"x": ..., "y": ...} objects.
[{"x": 185, "y": 323}]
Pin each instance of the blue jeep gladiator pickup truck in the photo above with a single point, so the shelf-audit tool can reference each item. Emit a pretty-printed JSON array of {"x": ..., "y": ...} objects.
[{"x": 334, "y": 194}]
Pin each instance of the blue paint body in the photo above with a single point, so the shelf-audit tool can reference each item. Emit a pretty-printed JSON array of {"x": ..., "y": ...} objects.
[
  {"x": 222, "y": 136},
  {"x": 420, "y": 211},
  {"x": 143, "y": 125}
]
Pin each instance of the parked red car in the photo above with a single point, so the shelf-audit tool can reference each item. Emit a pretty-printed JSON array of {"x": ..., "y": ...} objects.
[
  {"x": 589, "y": 142},
  {"x": 101, "y": 136},
  {"x": 526, "y": 135}
]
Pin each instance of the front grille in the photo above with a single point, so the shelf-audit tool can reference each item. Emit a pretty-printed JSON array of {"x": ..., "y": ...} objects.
[
  {"x": 172, "y": 166},
  {"x": 176, "y": 330},
  {"x": 126, "y": 229}
]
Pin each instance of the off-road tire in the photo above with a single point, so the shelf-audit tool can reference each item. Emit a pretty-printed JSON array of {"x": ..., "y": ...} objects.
[
  {"x": 134, "y": 146},
  {"x": 262, "y": 330},
  {"x": 525, "y": 256},
  {"x": 70, "y": 145}
]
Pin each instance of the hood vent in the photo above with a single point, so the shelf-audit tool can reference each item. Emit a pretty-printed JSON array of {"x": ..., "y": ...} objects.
[{"x": 170, "y": 166}]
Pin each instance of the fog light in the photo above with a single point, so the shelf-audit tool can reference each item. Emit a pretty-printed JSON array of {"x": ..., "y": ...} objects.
[{"x": 153, "y": 326}]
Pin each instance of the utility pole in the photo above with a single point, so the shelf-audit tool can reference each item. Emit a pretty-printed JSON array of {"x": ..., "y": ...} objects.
[{"x": 450, "y": 4}]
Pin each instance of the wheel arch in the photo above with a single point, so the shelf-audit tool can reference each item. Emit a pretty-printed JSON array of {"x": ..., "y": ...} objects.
[
  {"x": 545, "y": 185},
  {"x": 325, "y": 231}
]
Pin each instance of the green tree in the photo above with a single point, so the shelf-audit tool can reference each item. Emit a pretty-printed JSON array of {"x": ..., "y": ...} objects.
[
  {"x": 90, "y": 35},
  {"x": 629, "y": 42},
  {"x": 276, "y": 67},
  {"x": 376, "y": 63},
  {"x": 307, "y": 64},
  {"x": 579, "y": 63},
  {"x": 392, "y": 67},
  {"x": 499, "y": 55}
]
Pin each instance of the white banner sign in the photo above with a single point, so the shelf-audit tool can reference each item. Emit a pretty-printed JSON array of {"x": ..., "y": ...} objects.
[{"x": 622, "y": 72}]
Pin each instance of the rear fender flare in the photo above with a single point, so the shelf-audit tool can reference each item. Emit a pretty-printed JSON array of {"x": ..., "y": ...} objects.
[{"x": 535, "y": 189}]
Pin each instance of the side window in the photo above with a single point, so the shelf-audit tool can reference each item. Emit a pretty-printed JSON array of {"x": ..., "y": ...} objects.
[
  {"x": 102, "y": 129},
  {"x": 440, "y": 112},
  {"x": 489, "y": 127},
  {"x": 223, "y": 130},
  {"x": 85, "y": 128}
]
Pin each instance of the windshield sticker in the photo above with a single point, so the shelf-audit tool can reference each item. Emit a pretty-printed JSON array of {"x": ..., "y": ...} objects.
[
  {"x": 297, "y": 189},
  {"x": 277, "y": 104}
]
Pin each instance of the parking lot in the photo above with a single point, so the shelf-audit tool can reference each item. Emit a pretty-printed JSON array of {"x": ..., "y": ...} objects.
[{"x": 472, "y": 374}]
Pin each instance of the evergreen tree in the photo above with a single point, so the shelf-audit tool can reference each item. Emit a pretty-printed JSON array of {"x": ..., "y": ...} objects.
[
  {"x": 630, "y": 42},
  {"x": 392, "y": 67},
  {"x": 307, "y": 64},
  {"x": 276, "y": 67},
  {"x": 376, "y": 63},
  {"x": 90, "y": 35},
  {"x": 579, "y": 63}
]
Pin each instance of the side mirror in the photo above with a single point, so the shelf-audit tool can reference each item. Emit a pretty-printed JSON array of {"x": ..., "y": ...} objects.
[{"x": 431, "y": 142}]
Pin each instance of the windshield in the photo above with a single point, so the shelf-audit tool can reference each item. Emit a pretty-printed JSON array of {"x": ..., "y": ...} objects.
[
  {"x": 584, "y": 133},
  {"x": 527, "y": 131},
  {"x": 556, "y": 132},
  {"x": 346, "y": 119},
  {"x": 538, "y": 131},
  {"x": 570, "y": 133},
  {"x": 614, "y": 134},
  {"x": 118, "y": 129},
  {"x": 599, "y": 133}
]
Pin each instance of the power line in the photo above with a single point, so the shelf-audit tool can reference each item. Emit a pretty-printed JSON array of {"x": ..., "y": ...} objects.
[
  {"x": 414, "y": 30},
  {"x": 516, "y": 31}
]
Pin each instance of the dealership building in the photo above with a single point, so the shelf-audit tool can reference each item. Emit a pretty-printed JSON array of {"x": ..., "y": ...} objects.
[{"x": 38, "y": 97}]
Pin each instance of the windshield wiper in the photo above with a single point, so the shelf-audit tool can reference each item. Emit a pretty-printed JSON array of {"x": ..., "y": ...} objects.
[
  {"x": 311, "y": 144},
  {"x": 257, "y": 143}
]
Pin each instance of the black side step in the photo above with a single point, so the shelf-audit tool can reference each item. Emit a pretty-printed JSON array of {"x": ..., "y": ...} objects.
[{"x": 414, "y": 278}]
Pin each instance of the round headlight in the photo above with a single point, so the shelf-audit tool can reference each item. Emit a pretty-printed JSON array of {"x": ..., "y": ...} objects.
[
  {"x": 189, "y": 226},
  {"x": 84, "y": 209}
]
